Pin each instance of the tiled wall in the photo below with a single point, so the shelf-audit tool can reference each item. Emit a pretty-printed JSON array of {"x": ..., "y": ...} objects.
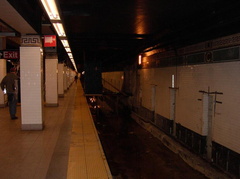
[
  {"x": 197, "y": 77},
  {"x": 220, "y": 77},
  {"x": 217, "y": 77}
]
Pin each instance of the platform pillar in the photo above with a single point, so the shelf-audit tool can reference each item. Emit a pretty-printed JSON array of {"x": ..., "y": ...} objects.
[
  {"x": 60, "y": 80},
  {"x": 31, "y": 71},
  {"x": 65, "y": 78},
  {"x": 51, "y": 86}
]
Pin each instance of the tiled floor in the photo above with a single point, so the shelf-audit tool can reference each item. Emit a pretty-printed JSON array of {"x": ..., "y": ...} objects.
[{"x": 68, "y": 147}]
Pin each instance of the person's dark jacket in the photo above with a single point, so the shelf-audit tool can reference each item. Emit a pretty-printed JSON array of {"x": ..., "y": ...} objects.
[{"x": 9, "y": 82}]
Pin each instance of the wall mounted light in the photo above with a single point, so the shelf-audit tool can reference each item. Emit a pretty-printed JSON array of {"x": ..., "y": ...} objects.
[
  {"x": 51, "y": 9},
  {"x": 139, "y": 59},
  {"x": 173, "y": 81}
]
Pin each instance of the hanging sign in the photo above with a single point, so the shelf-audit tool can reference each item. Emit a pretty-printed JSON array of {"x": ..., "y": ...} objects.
[
  {"x": 50, "y": 41},
  {"x": 9, "y": 54}
]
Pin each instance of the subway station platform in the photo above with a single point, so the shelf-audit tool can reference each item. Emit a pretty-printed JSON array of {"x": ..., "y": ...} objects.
[{"x": 67, "y": 147}]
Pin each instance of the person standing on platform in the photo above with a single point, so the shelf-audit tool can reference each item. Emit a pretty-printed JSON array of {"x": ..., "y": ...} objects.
[{"x": 10, "y": 84}]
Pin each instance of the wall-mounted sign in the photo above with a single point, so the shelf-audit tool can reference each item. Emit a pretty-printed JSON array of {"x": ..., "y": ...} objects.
[
  {"x": 9, "y": 54},
  {"x": 50, "y": 41}
]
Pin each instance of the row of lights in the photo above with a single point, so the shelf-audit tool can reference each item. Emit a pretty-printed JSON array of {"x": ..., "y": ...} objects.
[{"x": 53, "y": 14}]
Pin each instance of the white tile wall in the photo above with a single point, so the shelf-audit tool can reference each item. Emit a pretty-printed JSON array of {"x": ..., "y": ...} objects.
[
  {"x": 51, "y": 86},
  {"x": 221, "y": 77},
  {"x": 31, "y": 85},
  {"x": 190, "y": 112},
  {"x": 60, "y": 79},
  {"x": 162, "y": 79}
]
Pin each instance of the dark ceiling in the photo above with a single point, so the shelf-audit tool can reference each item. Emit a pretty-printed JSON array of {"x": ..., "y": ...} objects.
[{"x": 114, "y": 32}]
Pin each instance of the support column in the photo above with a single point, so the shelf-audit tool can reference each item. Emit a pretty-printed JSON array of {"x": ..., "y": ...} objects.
[
  {"x": 51, "y": 86},
  {"x": 60, "y": 80},
  {"x": 3, "y": 71},
  {"x": 68, "y": 78},
  {"x": 65, "y": 78},
  {"x": 31, "y": 70}
]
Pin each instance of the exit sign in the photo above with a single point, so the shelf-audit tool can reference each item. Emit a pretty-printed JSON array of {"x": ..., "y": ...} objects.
[{"x": 9, "y": 54}]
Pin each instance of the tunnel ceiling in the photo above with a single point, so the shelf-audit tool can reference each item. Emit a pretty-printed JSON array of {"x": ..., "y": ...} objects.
[{"x": 115, "y": 31}]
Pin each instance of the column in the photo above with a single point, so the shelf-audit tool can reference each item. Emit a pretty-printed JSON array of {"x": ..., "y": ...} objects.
[
  {"x": 31, "y": 71},
  {"x": 65, "y": 78},
  {"x": 68, "y": 78},
  {"x": 3, "y": 71},
  {"x": 60, "y": 80},
  {"x": 51, "y": 86}
]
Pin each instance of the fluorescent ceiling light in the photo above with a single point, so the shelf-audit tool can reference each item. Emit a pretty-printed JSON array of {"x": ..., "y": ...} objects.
[
  {"x": 51, "y": 9},
  {"x": 65, "y": 43},
  {"x": 68, "y": 49},
  {"x": 60, "y": 30},
  {"x": 70, "y": 55}
]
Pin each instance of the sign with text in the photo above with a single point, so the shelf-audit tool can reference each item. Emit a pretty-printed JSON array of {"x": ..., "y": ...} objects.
[
  {"x": 50, "y": 41},
  {"x": 9, "y": 54}
]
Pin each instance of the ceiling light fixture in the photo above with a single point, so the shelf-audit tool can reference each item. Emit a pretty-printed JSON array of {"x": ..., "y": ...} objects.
[
  {"x": 51, "y": 8},
  {"x": 68, "y": 49},
  {"x": 59, "y": 29},
  {"x": 53, "y": 13},
  {"x": 65, "y": 43},
  {"x": 70, "y": 55}
]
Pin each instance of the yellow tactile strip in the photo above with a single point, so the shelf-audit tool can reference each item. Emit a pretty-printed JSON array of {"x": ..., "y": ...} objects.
[{"x": 86, "y": 157}]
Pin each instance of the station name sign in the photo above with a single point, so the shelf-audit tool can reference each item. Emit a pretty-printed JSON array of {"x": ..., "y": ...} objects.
[{"x": 5, "y": 54}]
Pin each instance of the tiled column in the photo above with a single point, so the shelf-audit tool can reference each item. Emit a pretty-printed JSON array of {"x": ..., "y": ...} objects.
[
  {"x": 31, "y": 71},
  {"x": 68, "y": 78},
  {"x": 51, "y": 91},
  {"x": 2, "y": 71},
  {"x": 65, "y": 78},
  {"x": 60, "y": 80}
]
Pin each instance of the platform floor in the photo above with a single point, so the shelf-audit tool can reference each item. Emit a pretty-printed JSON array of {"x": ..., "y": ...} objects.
[{"x": 68, "y": 147}]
